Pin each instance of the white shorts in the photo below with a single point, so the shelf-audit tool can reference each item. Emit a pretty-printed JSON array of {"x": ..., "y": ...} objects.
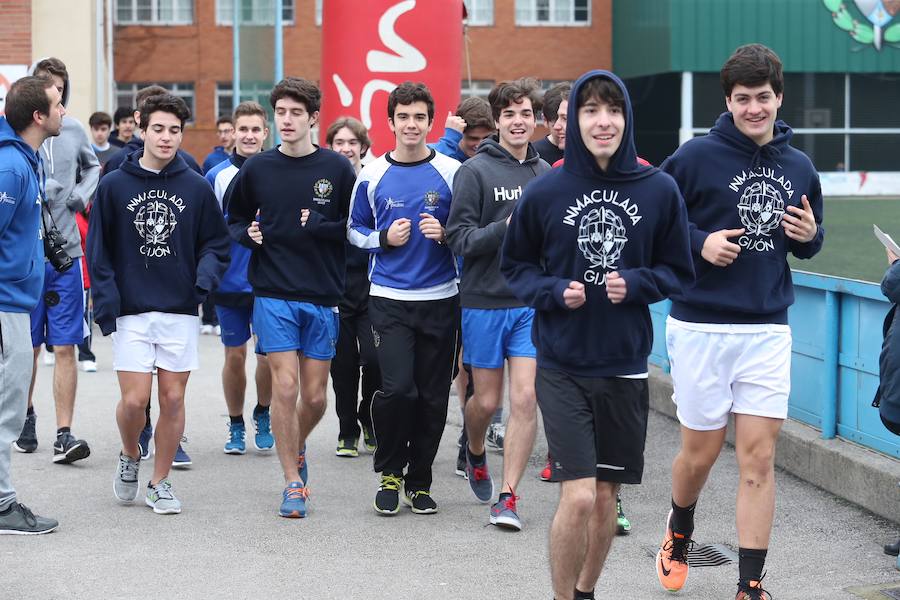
[
  {"x": 156, "y": 339},
  {"x": 720, "y": 369}
]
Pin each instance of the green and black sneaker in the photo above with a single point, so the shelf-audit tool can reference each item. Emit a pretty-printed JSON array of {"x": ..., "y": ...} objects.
[
  {"x": 623, "y": 525},
  {"x": 347, "y": 447}
]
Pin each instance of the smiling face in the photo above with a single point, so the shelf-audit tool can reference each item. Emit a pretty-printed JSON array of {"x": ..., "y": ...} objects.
[
  {"x": 250, "y": 133},
  {"x": 162, "y": 138},
  {"x": 472, "y": 137},
  {"x": 558, "y": 127},
  {"x": 410, "y": 125},
  {"x": 345, "y": 142},
  {"x": 755, "y": 110},
  {"x": 516, "y": 124},
  {"x": 602, "y": 126}
]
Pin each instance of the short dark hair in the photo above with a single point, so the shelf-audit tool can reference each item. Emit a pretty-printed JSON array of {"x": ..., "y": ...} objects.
[
  {"x": 602, "y": 89},
  {"x": 476, "y": 112},
  {"x": 224, "y": 119},
  {"x": 407, "y": 93},
  {"x": 553, "y": 98},
  {"x": 506, "y": 93},
  {"x": 248, "y": 108},
  {"x": 54, "y": 66},
  {"x": 146, "y": 92},
  {"x": 123, "y": 112},
  {"x": 300, "y": 90},
  {"x": 752, "y": 65},
  {"x": 26, "y": 95},
  {"x": 354, "y": 125},
  {"x": 163, "y": 103},
  {"x": 99, "y": 119}
]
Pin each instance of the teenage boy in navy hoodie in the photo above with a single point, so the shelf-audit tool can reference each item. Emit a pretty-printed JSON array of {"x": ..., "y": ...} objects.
[
  {"x": 751, "y": 200},
  {"x": 289, "y": 206},
  {"x": 400, "y": 205},
  {"x": 589, "y": 247},
  {"x": 496, "y": 326},
  {"x": 158, "y": 246}
]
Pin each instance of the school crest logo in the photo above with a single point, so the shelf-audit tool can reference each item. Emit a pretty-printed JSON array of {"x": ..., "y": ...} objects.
[
  {"x": 155, "y": 222},
  {"x": 761, "y": 208},
  {"x": 601, "y": 237},
  {"x": 431, "y": 200},
  {"x": 876, "y": 27},
  {"x": 322, "y": 191}
]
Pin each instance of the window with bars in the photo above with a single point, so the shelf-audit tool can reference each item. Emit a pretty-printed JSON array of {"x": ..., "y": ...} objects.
[
  {"x": 258, "y": 91},
  {"x": 481, "y": 12},
  {"x": 126, "y": 92},
  {"x": 154, "y": 12},
  {"x": 553, "y": 12},
  {"x": 480, "y": 88},
  {"x": 254, "y": 12}
]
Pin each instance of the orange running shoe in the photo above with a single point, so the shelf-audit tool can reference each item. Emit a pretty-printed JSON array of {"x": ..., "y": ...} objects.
[
  {"x": 547, "y": 472},
  {"x": 753, "y": 591},
  {"x": 671, "y": 560}
]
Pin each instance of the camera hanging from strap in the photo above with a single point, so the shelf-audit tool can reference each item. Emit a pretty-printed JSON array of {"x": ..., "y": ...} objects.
[{"x": 54, "y": 242}]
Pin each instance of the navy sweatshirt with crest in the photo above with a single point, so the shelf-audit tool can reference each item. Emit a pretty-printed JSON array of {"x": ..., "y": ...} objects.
[
  {"x": 156, "y": 242},
  {"x": 730, "y": 182},
  {"x": 579, "y": 223}
]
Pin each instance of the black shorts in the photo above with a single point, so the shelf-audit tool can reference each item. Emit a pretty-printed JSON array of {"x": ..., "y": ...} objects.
[{"x": 595, "y": 426}]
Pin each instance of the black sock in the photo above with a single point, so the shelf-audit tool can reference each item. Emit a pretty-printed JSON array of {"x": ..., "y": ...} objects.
[
  {"x": 237, "y": 419},
  {"x": 504, "y": 496},
  {"x": 750, "y": 564},
  {"x": 63, "y": 430},
  {"x": 30, "y": 411},
  {"x": 579, "y": 595},
  {"x": 476, "y": 459},
  {"x": 682, "y": 521},
  {"x": 147, "y": 412},
  {"x": 260, "y": 409}
]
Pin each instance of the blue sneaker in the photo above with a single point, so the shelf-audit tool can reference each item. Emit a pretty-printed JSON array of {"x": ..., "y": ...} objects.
[
  {"x": 182, "y": 460},
  {"x": 302, "y": 467},
  {"x": 235, "y": 443},
  {"x": 503, "y": 513},
  {"x": 264, "y": 439},
  {"x": 479, "y": 478},
  {"x": 293, "y": 503},
  {"x": 144, "y": 442}
]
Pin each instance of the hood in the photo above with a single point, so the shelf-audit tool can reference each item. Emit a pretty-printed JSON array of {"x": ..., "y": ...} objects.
[
  {"x": 727, "y": 132},
  {"x": 132, "y": 166},
  {"x": 8, "y": 137},
  {"x": 624, "y": 165},
  {"x": 66, "y": 84},
  {"x": 491, "y": 146}
]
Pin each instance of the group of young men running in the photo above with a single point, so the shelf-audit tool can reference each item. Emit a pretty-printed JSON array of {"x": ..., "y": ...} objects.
[{"x": 333, "y": 265}]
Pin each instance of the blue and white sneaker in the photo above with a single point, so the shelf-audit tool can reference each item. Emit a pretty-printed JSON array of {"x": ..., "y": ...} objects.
[
  {"x": 293, "y": 501},
  {"x": 235, "y": 443},
  {"x": 144, "y": 442},
  {"x": 479, "y": 478},
  {"x": 302, "y": 466},
  {"x": 503, "y": 513},
  {"x": 264, "y": 440},
  {"x": 182, "y": 460},
  {"x": 161, "y": 499}
]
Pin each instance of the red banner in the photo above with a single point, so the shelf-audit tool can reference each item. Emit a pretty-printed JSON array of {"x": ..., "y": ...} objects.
[{"x": 368, "y": 48}]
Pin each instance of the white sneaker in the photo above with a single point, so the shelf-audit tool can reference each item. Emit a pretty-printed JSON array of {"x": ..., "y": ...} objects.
[
  {"x": 217, "y": 330},
  {"x": 49, "y": 358},
  {"x": 89, "y": 366},
  {"x": 206, "y": 330}
]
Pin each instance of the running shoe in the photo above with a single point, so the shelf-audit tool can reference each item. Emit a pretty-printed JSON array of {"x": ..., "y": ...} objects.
[
  {"x": 672, "y": 559},
  {"x": 17, "y": 519},
  {"x": 88, "y": 366},
  {"x": 207, "y": 330},
  {"x": 182, "y": 460},
  {"x": 235, "y": 443},
  {"x": 264, "y": 440},
  {"x": 495, "y": 434},
  {"x": 347, "y": 447},
  {"x": 420, "y": 502},
  {"x": 623, "y": 525},
  {"x": 547, "y": 471},
  {"x": 161, "y": 499},
  {"x": 503, "y": 513},
  {"x": 387, "y": 499},
  {"x": 27, "y": 441},
  {"x": 368, "y": 433},
  {"x": 125, "y": 484},
  {"x": 293, "y": 501},
  {"x": 461, "y": 463},
  {"x": 302, "y": 466},
  {"x": 479, "y": 478},
  {"x": 753, "y": 591},
  {"x": 144, "y": 442},
  {"x": 67, "y": 449}
]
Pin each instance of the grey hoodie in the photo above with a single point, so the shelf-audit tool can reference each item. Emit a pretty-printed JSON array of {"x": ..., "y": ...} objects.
[
  {"x": 72, "y": 171},
  {"x": 486, "y": 189}
]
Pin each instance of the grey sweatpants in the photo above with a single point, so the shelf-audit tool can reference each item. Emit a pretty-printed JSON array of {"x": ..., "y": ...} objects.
[{"x": 16, "y": 358}]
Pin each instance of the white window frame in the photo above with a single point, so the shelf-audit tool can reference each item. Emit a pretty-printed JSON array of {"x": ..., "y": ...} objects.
[
  {"x": 318, "y": 13},
  {"x": 225, "y": 16},
  {"x": 475, "y": 9},
  {"x": 480, "y": 88},
  {"x": 249, "y": 91},
  {"x": 155, "y": 12},
  {"x": 183, "y": 89},
  {"x": 526, "y": 14}
]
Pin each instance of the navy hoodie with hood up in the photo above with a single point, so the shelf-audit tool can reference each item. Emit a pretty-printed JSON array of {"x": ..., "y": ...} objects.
[
  {"x": 156, "y": 242},
  {"x": 731, "y": 182},
  {"x": 579, "y": 223}
]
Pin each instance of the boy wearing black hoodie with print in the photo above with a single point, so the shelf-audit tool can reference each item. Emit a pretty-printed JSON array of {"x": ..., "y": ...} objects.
[
  {"x": 158, "y": 246},
  {"x": 751, "y": 200},
  {"x": 589, "y": 247}
]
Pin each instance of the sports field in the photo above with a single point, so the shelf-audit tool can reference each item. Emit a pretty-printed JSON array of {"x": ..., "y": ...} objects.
[{"x": 850, "y": 249}]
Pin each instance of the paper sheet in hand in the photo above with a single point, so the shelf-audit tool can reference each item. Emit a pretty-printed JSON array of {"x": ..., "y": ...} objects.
[{"x": 885, "y": 239}]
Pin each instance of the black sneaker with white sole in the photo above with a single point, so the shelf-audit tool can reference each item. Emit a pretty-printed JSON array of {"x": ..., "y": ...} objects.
[
  {"x": 27, "y": 441},
  {"x": 420, "y": 502},
  {"x": 16, "y": 519},
  {"x": 67, "y": 449}
]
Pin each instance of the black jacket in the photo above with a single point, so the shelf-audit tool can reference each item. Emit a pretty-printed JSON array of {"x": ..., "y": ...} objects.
[{"x": 887, "y": 397}]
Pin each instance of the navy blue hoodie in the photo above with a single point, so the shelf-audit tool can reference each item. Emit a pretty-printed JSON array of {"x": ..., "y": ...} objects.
[
  {"x": 115, "y": 161},
  {"x": 730, "y": 182},
  {"x": 156, "y": 242},
  {"x": 578, "y": 223}
]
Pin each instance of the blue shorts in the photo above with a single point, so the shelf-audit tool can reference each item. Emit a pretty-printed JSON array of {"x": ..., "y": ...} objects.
[
  {"x": 491, "y": 335},
  {"x": 284, "y": 325},
  {"x": 58, "y": 318},
  {"x": 235, "y": 324}
]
